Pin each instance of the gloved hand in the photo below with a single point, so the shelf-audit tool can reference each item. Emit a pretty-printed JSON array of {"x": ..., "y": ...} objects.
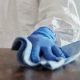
[{"x": 43, "y": 45}]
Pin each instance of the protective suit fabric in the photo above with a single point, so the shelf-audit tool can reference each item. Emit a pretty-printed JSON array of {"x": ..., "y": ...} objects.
[
  {"x": 61, "y": 15},
  {"x": 20, "y": 17}
]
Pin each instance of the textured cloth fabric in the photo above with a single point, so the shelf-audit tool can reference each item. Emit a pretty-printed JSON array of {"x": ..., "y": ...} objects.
[
  {"x": 73, "y": 50},
  {"x": 42, "y": 45}
]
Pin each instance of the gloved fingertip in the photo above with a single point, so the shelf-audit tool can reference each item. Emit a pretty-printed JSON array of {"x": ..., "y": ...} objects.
[
  {"x": 56, "y": 59},
  {"x": 35, "y": 60}
]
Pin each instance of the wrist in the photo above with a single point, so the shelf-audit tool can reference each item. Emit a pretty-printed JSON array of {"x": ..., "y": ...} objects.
[{"x": 45, "y": 31}]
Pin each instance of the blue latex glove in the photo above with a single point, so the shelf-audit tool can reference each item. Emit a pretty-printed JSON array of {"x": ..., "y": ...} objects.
[{"x": 43, "y": 44}]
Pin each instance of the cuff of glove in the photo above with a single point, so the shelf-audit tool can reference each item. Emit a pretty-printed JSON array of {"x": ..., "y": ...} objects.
[{"x": 45, "y": 31}]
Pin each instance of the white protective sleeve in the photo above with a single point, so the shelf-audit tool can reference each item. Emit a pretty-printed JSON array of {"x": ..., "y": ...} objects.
[{"x": 63, "y": 17}]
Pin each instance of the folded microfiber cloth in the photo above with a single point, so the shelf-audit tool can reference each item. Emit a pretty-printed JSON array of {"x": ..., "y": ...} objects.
[{"x": 23, "y": 54}]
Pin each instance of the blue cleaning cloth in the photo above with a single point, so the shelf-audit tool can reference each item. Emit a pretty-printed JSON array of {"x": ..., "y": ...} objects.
[
  {"x": 40, "y": 49},
  {"x": 73, "y": 50},
  {"x": 43, "y": 44}
]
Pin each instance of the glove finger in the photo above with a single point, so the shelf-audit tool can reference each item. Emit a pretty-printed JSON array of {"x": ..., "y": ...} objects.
[
  {"x": 57, "y": 51},
  {"x": 35, "y": 54},
  {"x": 47, "y": 53}
]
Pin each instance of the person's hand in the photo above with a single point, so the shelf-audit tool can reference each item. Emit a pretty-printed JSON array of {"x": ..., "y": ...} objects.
[{"x": 43, "y": 45}]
